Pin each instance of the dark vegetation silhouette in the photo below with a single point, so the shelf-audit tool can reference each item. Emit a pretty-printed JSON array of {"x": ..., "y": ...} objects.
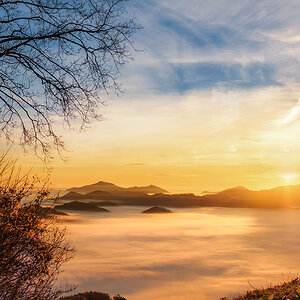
[
  {"x": 32, "y": 245},
  {"x": 58, "y": 58},
  {"x": 93, "y": 296},
  {"x": 287, "y": 290}
]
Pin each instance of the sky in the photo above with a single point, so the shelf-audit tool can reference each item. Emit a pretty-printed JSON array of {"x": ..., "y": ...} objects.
[{"x": 212, "y": 101}]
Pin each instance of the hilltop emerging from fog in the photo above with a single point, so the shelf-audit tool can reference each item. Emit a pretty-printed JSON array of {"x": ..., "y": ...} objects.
[
  {"x": 279, "y": 197},
  {"x": 112, "y": 188}
]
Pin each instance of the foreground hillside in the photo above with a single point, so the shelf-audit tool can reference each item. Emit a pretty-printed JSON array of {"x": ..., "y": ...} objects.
[
  {"x": 92, "y": 296},
  {"x": 287, "y": 290}
]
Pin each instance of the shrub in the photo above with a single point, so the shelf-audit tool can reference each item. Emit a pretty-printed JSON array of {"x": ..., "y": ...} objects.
[{"x": 32, "y": 245}]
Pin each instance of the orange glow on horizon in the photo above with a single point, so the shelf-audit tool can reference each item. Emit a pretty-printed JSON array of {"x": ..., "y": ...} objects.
[{"x": 187, "y": 143}]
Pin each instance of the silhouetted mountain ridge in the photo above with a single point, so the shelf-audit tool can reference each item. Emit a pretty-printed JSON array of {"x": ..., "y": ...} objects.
[
  {"x": 157, "y": 210},
  {"x": 112, "y": 188},
  {"x": 77, "y": 205},
  {"x": 239, "y": 196},
  {"x": 235, "y": 189}
]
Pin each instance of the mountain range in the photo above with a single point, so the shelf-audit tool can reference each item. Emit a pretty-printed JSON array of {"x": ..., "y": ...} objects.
[
  {"x": 279, "y": 197},
  {"x": 112, "y": 188}
]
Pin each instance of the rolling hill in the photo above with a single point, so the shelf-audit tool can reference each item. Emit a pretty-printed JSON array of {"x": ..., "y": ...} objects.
[{"x": 112, "y": 188}]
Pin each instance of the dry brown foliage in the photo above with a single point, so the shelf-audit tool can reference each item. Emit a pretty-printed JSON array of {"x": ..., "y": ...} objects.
[{"x": 32, "y": 245}]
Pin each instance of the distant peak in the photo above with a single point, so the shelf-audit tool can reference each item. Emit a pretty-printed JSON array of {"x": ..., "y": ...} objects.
[
  {"x": 240, "y": 188},
  {"x": 236, "y": 188},
  {"x": 144, "y": 186},
  {"x": 73, "y": 193},
  {"x": 104, "y": 183}
]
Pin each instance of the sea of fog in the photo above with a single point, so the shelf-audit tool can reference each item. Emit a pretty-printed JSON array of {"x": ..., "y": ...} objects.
[{"x": 200, "y": 253}]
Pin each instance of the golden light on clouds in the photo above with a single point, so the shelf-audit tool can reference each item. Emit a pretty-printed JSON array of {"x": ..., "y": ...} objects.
[
  {"x": 188, "y": 143},
  {"x": 212, "y": 103},
  {"x": 293, "y": 114},
  {"x": 290, "y": 178}
]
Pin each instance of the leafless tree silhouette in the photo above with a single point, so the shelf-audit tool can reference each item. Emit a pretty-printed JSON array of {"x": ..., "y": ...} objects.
[
  {"x": 32, "y": 245},
  {"x": 58, "y": 58}
]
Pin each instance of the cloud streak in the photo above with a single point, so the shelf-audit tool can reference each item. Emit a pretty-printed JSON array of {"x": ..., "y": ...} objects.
[{"x": 199, "y": 45}]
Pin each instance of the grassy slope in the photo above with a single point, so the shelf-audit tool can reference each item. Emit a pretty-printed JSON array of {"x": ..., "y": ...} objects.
[{"x": 287, "y": 290}]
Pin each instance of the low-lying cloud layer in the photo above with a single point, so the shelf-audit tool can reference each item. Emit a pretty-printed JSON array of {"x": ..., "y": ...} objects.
[{"x": 203, "y": 253}]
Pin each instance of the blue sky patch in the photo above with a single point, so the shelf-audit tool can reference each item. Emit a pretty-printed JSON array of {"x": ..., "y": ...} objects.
[{"x": 181, "y": 78}]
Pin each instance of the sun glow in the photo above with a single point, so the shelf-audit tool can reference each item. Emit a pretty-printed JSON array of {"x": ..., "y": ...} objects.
[{"x": 289, "y": 178}]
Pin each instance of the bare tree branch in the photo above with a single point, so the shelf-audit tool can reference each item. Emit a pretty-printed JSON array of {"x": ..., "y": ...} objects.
[{"x": 59, "y": 58}]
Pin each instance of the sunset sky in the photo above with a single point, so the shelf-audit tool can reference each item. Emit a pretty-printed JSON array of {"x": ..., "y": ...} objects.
[{"x": 211, "y": 102}]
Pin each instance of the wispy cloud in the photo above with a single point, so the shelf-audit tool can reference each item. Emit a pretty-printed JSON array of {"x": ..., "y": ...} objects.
[
  {"x": 293, "y": 114},
  {"x": 199, "y": 44},
  {"x": 215, "y": 88}
]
